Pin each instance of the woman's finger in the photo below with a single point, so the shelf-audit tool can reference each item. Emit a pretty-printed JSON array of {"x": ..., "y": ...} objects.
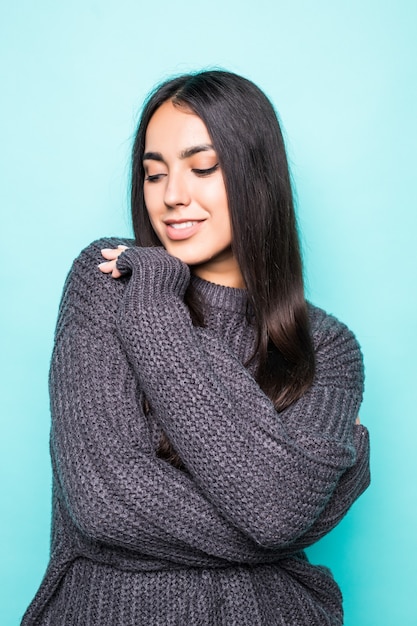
[
  {"x": 112, "y": 253},
  {"x": 107, "y": 266}
]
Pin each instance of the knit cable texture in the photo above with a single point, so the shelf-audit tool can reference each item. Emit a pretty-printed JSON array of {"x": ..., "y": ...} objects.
[{"x": 136, "y": 541}]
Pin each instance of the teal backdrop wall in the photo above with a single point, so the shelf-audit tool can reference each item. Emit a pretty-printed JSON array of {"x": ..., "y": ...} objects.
[{"x": 342, "y": 75}]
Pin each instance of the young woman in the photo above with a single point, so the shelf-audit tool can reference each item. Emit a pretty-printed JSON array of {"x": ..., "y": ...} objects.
[{"x": 204, "y": 414}]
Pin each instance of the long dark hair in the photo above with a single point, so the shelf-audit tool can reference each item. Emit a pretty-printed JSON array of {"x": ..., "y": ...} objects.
[{"x": 247, "y": 138}]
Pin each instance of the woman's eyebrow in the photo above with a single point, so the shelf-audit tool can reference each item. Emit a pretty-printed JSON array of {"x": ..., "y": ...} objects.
[
  {"x": 188, "y": 152},
  {"x": 184, "y": 154},
  {"x": 152, "y": 156}
]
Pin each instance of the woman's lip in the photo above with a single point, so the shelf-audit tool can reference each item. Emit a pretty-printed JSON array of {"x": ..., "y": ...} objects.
[{"x": 184, "y": 231}]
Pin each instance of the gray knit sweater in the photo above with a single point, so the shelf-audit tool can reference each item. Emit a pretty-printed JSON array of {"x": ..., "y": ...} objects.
[{"x": 138, "y": 542}]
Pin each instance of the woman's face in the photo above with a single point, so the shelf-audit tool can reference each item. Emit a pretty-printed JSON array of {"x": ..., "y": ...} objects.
[{"x": 186, "y": 197}]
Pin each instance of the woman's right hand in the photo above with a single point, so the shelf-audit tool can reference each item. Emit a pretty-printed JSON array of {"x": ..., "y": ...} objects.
[{"x": 111, "y": 255}]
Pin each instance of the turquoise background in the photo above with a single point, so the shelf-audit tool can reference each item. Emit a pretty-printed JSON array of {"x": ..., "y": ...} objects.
[{"x": 343, "y": 76}]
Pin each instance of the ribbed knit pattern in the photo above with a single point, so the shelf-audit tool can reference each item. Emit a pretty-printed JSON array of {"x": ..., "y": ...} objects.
[{"x": 138, "y": 542}]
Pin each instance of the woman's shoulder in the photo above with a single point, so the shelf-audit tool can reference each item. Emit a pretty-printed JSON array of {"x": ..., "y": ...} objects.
[
  {"x": 88, "y": 293},
  {"x": 84, "y": 266},
  {"x": 338, "y": 352},
  {"x": 325, "y": 325},
  {"x": 91, "y": 254}
]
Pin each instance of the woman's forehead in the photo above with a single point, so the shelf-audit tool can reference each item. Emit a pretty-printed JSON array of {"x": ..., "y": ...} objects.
[{"x": 172, "y": 127}]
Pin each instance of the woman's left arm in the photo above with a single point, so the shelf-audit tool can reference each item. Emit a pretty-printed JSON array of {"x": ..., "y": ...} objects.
[{"x": 271, "y": 474}]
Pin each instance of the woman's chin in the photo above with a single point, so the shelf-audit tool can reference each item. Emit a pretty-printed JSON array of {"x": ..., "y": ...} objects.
[{"x": 188, "y": 257}]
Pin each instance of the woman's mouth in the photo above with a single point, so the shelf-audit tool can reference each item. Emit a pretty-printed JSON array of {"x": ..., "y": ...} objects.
[
  {"x": 177, "y": 231},
  {"x": 182, "y": 225}
]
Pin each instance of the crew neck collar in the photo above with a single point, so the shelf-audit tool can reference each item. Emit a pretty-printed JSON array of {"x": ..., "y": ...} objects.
[{"x": 219, "y": 296}]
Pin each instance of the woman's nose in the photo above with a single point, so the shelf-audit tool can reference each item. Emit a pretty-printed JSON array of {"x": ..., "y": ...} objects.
[{"x": 176, "y": 191}]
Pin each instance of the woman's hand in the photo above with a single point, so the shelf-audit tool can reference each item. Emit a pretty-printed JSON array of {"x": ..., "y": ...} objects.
[
  {"x": 109, "y": 266},
  {"x": 151, "y": 266}
]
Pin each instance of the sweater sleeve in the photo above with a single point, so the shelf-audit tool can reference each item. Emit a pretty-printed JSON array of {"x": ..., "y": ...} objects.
[
  {"x": 351, "y": 485},
  {"x": 272, "y": 475},
  {"x": 356, "y": 478},
  {"x": 111, "y": 484}
]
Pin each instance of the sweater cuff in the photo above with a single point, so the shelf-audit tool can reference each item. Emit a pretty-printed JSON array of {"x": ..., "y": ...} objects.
[
  {"x": 327, "y": 412},
  {"x": 156, "y": 271}
]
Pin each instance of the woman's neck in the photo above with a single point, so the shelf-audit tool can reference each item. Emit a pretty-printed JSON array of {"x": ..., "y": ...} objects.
[{"x": 223, "y": 273}]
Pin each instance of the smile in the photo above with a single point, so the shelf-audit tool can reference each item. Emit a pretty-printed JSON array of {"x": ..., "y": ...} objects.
[
  {"x": 177, "y": 231},
  {"x": 181, "y": 225}
]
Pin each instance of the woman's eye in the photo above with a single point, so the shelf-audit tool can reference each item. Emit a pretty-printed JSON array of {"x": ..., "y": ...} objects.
[
  {"x": 205, "y": 172},
  {"x": 153, "y": 178}
]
